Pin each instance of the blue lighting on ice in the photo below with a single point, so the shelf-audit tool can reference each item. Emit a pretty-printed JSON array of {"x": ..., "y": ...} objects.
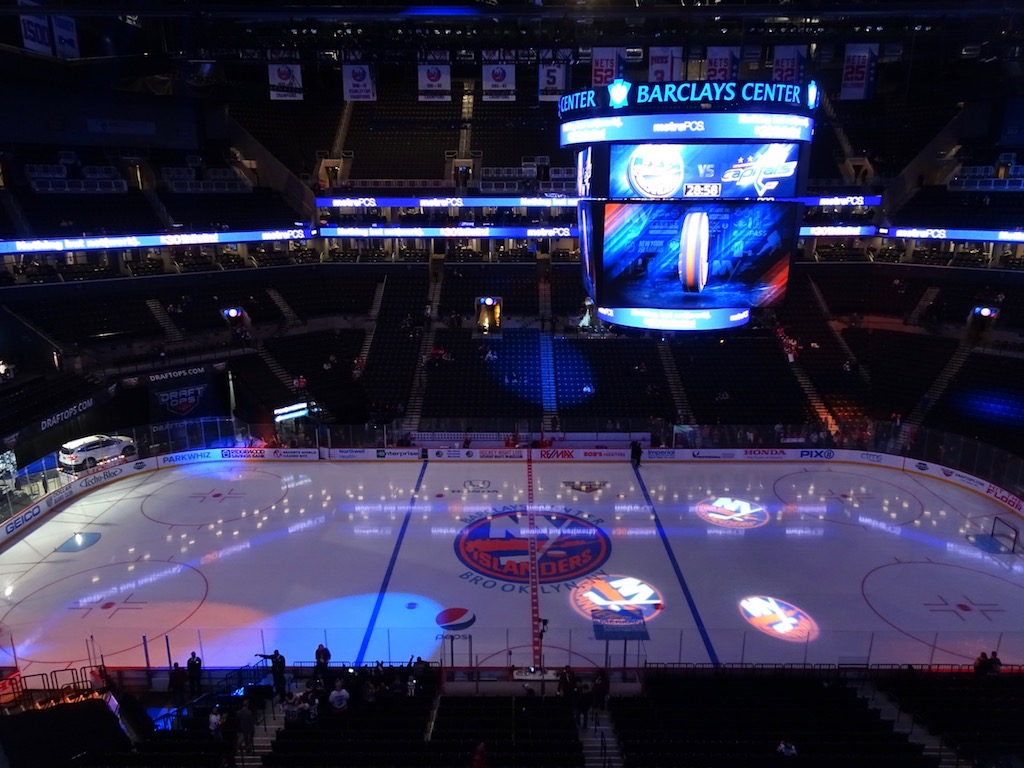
[{"x": 405, "y": 627}]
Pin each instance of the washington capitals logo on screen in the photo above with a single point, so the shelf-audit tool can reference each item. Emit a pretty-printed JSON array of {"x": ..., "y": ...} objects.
[{"x": 497, "y": 545}]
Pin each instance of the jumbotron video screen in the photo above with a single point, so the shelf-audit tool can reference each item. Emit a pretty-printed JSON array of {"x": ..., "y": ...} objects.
[{"x": 681, "y": 255}]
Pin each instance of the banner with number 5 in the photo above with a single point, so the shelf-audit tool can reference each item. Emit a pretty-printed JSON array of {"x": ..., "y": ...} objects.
[{"x": 550, "y": 82}]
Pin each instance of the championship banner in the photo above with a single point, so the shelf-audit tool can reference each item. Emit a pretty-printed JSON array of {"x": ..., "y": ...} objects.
[
  {"x": 435, "y": 82},
  {"x": 35, "y": 31},
  {"x": 358, "y": 83},
  {"x": 859, "y": 70},
  {"x": 285, "y": 81},
  {"x": 666, "y": 64},
  {"x": 550, "y": 82},
  {"x": 607, "y": 65},
  {"x": 723, "y": 63},
  {"x": 789, "y": 63},
  {"x": 65, "y": 37},
  {"x": 499, "y": 82}
]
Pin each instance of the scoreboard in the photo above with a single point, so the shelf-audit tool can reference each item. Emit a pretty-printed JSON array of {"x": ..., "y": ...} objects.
[{"x": 687, "y": 216}]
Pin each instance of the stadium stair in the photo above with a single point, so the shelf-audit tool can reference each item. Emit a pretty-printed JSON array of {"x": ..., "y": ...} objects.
[
  {"x": 15, "y": 213},
  {"x": 378, "y": 297},
  {"x": 905, "y": 722},
  {"x": 171, "y": 331},
  {"x": 544, "y": 299},
  {"x": 600, "y": 749},
  {"x": 286, "y": 378},
  {"x": 819, "y": 297},
  {"x": 938, "y": 387},
  {"x": 419, "y": 386},
  {"x": 547, "y": 373},
  {"x": 675, "y": 384},
  {"x": 414, "y": 408},
  {"x": 927, "y": 299},
  {"x": 814, "y": 397},
  {"x": 291, "y": 318},
  {"x": 158, "y": 208}
]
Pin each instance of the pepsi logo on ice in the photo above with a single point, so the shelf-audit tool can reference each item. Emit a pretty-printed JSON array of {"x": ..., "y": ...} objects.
[
  {"x": 496, "y": 545},
  {"x": 455, "y": 619}
]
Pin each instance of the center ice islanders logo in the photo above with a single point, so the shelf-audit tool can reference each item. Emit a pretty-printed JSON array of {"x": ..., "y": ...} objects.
[
  {"x": 498, "y": 74},
  {"x": 732, "y": 513},
  {"x": 358, "y": 74},
  {"x": 497, "y": 546},
  {"x": 433, "y": 74}
]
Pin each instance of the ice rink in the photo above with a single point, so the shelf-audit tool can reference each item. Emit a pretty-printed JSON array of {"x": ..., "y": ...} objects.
[{"x": 672, "y": 562}]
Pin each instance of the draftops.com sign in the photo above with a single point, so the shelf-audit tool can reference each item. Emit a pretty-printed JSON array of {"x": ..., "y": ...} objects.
[{"x": 653, "y": 97}]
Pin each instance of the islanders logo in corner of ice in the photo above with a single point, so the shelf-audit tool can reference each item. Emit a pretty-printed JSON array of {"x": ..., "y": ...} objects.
[
  {"x": 779, "y": 618},
  {"x": 496, "y": 545}
]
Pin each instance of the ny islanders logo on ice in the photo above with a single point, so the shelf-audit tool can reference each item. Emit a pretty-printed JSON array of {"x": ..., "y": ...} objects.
[{"x": 497, "y": 544}]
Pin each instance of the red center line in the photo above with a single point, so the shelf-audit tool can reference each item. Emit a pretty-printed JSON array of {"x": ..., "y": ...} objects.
[{"x": 531, "y": 538}]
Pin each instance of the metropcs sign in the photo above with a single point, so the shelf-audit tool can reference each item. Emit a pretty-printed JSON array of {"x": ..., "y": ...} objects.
[{"x": 620, "y": 93}]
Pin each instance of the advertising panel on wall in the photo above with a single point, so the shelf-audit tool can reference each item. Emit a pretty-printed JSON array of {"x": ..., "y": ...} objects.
[
  {"x": 34, "y": 514},
  {"x": 180, "y": 393}
]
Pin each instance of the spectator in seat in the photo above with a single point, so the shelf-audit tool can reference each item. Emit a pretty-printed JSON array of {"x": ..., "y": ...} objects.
[{"x": 339, "y": 698}]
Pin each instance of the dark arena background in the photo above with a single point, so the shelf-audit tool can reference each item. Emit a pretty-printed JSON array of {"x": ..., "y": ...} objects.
[{"x": 604, "y": 383}]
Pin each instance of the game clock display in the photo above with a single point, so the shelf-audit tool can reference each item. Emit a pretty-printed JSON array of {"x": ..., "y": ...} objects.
[{"x": 689, "y": 255}]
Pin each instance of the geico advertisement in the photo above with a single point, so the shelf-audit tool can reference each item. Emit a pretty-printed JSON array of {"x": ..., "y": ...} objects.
[{"x": 80, "y": 484}]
